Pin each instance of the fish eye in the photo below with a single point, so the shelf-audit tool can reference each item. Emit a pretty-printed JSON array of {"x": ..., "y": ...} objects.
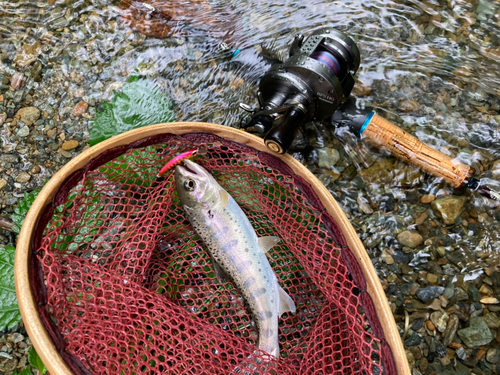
[{"x": 189, "y": 185}]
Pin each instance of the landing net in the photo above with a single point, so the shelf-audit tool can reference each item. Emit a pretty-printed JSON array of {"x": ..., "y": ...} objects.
[{"x": 124, "y": 285}]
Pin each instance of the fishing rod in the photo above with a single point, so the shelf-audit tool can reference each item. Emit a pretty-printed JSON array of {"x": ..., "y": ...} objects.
[{"x": 315, "y": 82}]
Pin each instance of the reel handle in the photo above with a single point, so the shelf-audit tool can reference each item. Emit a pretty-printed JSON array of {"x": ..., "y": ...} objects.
[
  {"x": 381, "y": 133},
  {"x": 280, "y": 137}
]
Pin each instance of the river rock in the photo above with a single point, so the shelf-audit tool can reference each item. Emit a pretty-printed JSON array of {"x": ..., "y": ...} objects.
[
  {"x": 492, "y": 320},
  {"x": 28, "y": 115},
  {"x": 386, "y": 257},
  {"x": 3, "y": 183},
  {"x": 10, "y": 365},
  {"x": 69, "y": 145},
  {"x": 495, "y": 169},
  {"x": 428, "y": 198},
  {"x": 35, "y": 169},
  {"x": 428, "y": 293},
  {"x": 476, "y": 334},
  {"x": 413, "y": 340},
  {"x": 363, "y": 204},
  {"x": 451, "y": 329},
  {"x": 440, "y": 319},
  {"x": 384, "y": 172},
  {"x": 24, "y": 131},
  {"x": 17, "y": 337},
  {"x": 361, "y": 89},
  {"x": 493, "y": 355},
  {"x": 27, "y": 54},
  {"x": 410, "y": 239},
  {"x": 448, "y": 208},
  {"x": 23, "y": 177},
  {"x": 80, "y": 108},
  {"x": 409, "y": 106},
  {"x": 327, "y": 157},
  {"x": 17, "y": 81}
]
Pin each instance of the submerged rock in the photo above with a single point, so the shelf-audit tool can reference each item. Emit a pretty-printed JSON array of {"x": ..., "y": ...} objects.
[
  {"x": 448, "y": 208},
  {"x": 27, "y": 54},
  {"x": 385, "y": 172},
  {"x": 28, "y": 115},
  {"x": 476, "y": 334},
  {"x": 410, "y": 239},
  {"x": 426, "y": 294},
  {"x": 451, "y": 330},
  {"x": 327, "y": 157}
]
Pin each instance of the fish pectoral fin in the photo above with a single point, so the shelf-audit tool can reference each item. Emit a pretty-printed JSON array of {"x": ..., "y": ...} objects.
[
  {"x": 267, "y": 243},
  {"x": 219, "y": 272},
  {"x": 286, "y": 302},
  {"x": 224, "y": 197}
]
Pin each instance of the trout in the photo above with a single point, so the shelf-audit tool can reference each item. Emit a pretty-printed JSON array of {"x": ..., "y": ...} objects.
[{"x": 236, "y": 251}]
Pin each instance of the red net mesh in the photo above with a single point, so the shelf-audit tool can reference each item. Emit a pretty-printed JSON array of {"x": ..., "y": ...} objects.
[{"x": 130, "y": 289}]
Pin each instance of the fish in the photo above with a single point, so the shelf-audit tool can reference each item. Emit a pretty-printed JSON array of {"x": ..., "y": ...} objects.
[
  {"x": 177, "y": 159},
  {"x": 236, "y": 251}
]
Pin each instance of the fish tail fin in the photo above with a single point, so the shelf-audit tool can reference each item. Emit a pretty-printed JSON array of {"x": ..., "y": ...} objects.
[
  {"x": 286, "y": 302},
  {"x": 272, "y": 348}
]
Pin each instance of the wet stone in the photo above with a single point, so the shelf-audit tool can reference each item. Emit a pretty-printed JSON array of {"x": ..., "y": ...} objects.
[
  {"x": 428, "y": 198},
  {"x": 65, "y": 153},
  {"x": 448, "y": 208},
  {"x": 419, "y": 323},
  {"x": 456, "y": 257},
  {"x": 440, "y": 350},
  {"x": 413, "y": 340},
  {"x": 17, "y": 337},
  {"x": 23, "y": 177},
  {"x": 409, "y": 106},
  {"x": 440, "y": 319},
  {"x": 28, "y": 115},
  {"x": 69, "y": 145},
  {"x": 476, "y": 334},
  {"x": 80, "y": 108},
  {"x": 35, "y": 169},
  {"x": 493, "y": 355},
  {"x": 10, "y": 365},
  {"x": 410, "y": 239},
  {"x": 17, "y": 81},
  {"x": 451, "y": 330},
  {"x": 473, "y": 293},
  {"x": 428, "y": 293},
  {"x": 492, "y": 320},
  {"x": 461, "y": 353},
  {"x": 24, "y": 131},
  {"x": 27, "y": 54},
  {"x": 327, "y": 157},
  {"x": 449, "y": 291}
]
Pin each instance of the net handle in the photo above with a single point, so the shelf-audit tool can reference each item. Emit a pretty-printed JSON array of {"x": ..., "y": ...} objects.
[{"x": 28, "y": 306}]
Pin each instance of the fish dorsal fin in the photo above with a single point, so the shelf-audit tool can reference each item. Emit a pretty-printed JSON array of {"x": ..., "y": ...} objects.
[
  {"x": 219, "y": 272},
  {"x": 286, "y": 302},
  {"x": 266, "y": 243},
  {"x": 224, "y": 197}
]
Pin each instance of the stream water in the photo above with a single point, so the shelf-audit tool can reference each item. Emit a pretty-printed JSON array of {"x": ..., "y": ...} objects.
[{"x": 431, "y": 67}]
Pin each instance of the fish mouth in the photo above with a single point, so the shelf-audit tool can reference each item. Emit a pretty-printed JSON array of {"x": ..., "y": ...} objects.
[{"x": 191, "y": 169}]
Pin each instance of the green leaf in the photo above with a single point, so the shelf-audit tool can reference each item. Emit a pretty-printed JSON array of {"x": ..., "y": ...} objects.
[
  {"x": 9, "y": 310},
  {"x": 21, "y": 209},
  {"x": 139, "y": 104},
  {"x": 35, "y": 361},
  {"x": 26, "y": 371}
]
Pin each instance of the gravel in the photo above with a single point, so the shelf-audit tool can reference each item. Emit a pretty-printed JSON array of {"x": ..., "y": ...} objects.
[{"x": 429, "y": 67}]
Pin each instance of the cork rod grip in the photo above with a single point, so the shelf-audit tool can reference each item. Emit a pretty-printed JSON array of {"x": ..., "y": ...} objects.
[{"x": 383, "y": 134}]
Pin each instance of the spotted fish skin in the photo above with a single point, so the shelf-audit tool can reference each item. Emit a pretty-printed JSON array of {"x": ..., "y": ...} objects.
[{"x": 237, "y": 253}]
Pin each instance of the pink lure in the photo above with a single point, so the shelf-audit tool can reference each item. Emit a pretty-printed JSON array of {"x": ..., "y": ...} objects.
[{"x": 177, "y": 159}]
